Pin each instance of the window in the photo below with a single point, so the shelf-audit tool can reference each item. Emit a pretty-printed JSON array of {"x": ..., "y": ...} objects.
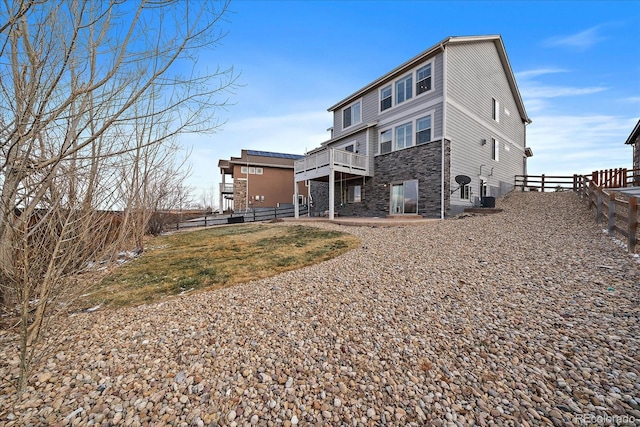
[
  {"x": 403, "y": 136},
  {"x": 354, "y": 194},
  {"x": 252, "y": 170},
  {"x": 350, "y": 148},
  {"x": 404, "y": 89},
  {"x": 483, "y": 188},
  {"x": 385, "y": 98},
  {"x": 244, "y": 169},
  {"x": 423, "y": 130},
  {"x": 404, "y": 198},
  {"x": 423, "y": 77},
  {"x": 259, "y": 171},
  {"x": 351, "y": 115},
  {"x": 495, "y": 149},
  {"x": 465, "y": 192},
  {"x": 495, "y": 110},
  {"x": 385, "y": 141}
]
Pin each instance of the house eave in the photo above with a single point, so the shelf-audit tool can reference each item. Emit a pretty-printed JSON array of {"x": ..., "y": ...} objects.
[
  {"x": 635, "y": 133},
  {"x": 439, "y": 47}
]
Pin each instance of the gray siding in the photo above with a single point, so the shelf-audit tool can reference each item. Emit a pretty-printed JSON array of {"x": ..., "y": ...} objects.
[
  {"x": 475, "y": 75},
  {"x": 371, "y": 100}
]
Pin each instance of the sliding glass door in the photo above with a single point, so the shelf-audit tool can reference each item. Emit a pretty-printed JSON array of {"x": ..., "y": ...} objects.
[{"x": 404, "y": 198}]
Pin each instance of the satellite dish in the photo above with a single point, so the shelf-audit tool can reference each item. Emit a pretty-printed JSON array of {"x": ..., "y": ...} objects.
[{"x": 463, "y": 179}]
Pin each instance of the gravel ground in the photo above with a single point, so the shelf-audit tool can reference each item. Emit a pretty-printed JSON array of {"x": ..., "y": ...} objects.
[{"x": 526, "y": 317}]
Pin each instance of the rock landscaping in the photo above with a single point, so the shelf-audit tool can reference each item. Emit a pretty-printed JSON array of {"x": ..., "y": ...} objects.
[{"x": 525, "y": 317}]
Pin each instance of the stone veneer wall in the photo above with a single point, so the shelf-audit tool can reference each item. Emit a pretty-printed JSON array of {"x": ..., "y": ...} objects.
[
  {"x": 422, "y": 162},
  {"x": 239, "y": 195}
]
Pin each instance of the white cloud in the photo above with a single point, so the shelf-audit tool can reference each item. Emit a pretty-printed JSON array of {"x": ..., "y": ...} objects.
[
  {"x": 579, "y": 41},
  {"x": 537, "y": 91},
  {"x": 538, "y": 72},
  {"x": 566, "y": 144}
]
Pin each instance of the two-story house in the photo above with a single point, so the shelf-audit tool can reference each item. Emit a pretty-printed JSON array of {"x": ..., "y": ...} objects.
[
  {"x": 261, "y": 179},
  {"x": 399, "y": 143}
]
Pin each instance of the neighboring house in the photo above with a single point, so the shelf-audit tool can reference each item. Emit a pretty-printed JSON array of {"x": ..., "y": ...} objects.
[
  {"x": 634, "y": 139},
  {"x": 398, "y": 144},
  {"x": 264, "y": 176}
]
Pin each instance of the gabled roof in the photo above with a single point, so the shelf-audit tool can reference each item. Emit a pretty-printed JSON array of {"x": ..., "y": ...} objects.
[
  {"x": 635, "y": 133},
  {"x": 439, "y": 47}
]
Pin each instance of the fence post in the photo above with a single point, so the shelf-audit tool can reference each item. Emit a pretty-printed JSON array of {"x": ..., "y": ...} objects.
[
  {"x": 254, "y": 214},
  {"x": 205, "y": 220},
  {"x": 524, "y": 185},
  {"x": 633, "y": 224},
  {"x": 275, "y": 213},
  {"x": 612, "y": 213},
  {"x": 624, "y": 177},
  {"x": 542, "y": 184},
  {"x": 599, "y": 205},
  {"x": 575, "y": 182}
]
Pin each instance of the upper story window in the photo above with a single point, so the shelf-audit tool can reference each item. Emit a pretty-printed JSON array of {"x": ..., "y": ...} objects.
[
  {"x": 385, "y": 98},
  {"x": 403, "y": 136},
  {"x": 404, "y": 89},
  {"x": 423, "y": 130},
  {"x": 495, "y": 110},
  {"x": 351, "y": 115},
  {"x": 423, "y": 79},
  {"x": 259, "y": 171},
  {"x": 385, "y": 141},
  {"x": 495, "y": 149}
]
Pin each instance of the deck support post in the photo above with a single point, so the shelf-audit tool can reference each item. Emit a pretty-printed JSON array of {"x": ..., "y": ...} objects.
[{"x": 296, "y": 208}]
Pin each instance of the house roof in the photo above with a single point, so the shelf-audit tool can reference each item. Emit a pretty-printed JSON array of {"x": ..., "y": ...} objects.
[
  {"x": 259, "y": 158},
  {"x": 497, "y": 39},
  {"x": 271, "y": 154},
  {"x": 635, "y": 133}
]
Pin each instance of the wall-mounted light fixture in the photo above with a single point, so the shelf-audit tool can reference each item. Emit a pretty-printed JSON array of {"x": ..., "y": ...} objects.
[{"x": 483, "y": 142}]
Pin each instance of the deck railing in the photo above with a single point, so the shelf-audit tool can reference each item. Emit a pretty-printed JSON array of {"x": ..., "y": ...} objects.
[
  {"x": 354, "y": 162},
  {"x": 226, "y": 188}
]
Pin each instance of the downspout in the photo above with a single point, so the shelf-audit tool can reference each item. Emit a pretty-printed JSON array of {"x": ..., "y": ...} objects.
[{"x": 444, "y": 127}]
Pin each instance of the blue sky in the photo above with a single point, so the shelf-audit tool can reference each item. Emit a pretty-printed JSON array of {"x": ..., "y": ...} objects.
[{"x": 577, "y": 65}]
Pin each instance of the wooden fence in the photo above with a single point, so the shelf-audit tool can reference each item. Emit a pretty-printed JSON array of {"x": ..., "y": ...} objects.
[
  {"x": 619, "y": 213},
  {"x": 617, "y": 210},
  {"x": 253, "y": 215},
  {"x": 549, "y": 182}
]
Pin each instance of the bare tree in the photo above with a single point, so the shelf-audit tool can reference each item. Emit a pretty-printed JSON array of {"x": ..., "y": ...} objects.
[{"x": 88, "y": 88}]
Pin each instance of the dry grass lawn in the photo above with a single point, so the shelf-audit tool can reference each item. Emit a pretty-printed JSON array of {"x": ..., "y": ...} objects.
[{"x": 214, "y": 258}]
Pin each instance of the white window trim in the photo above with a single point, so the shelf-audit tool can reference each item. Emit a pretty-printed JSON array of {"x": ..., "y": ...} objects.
[
  {"x": 414, "y": 129},
  {"x": 394, "y": 133},
  {"x": 244, "y": 169},
  {"x": 395, "y": 84},
  {"x": 414, "y": 74},
  {"x": 353, "y": 143},
  {"x": 465, "y": 190},
  {"x": 259, "y": 171},
  {"x": 495, "y": 149},
  {"x": 433, "y": 79},
  {"x": 353, "y": 123},
  {"x": 431, "y": 114},
  {"x": 495, "y": 110},
  {"x": 378, "y": 150},
  {"x": 380, "y": 110}
]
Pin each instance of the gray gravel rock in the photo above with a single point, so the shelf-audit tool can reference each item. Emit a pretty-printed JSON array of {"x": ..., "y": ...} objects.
[{"x": 526, "y": 317}]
